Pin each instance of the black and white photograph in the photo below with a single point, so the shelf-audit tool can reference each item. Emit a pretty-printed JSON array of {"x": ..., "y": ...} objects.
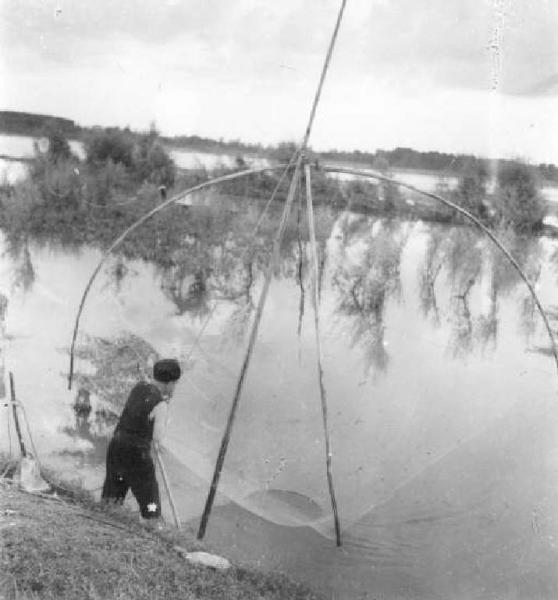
[{"x": 278, "y": 300}]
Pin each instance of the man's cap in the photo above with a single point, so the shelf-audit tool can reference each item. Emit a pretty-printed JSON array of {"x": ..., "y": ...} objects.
[{"x": 166, "y": 370}]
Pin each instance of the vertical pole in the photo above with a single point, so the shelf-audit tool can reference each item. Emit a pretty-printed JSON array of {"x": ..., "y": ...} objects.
[
  {"x": 167, "y": 488},
  {"x": 269, "y": 274},
  {"x": 253, "y": 334},
  {"x": 16, "y": 419},
  {"x": 323, "y": 398}
]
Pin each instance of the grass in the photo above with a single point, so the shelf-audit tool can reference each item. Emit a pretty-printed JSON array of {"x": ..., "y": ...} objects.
[{"x": 72, "y": 549}]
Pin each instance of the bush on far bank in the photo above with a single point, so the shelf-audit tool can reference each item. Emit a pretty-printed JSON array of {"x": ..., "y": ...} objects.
[
  {"x": 471, "y": 191},
  {"x": 141, "y": 155},
  {"x": 518, "y": 201},
  {"x": 65, "y": 199}
]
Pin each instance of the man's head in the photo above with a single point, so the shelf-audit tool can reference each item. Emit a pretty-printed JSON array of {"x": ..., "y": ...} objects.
[{"x": 166, "y": 372}]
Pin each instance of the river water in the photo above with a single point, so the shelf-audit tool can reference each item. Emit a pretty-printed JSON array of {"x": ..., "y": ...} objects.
[{"x": 440, "y": 390}]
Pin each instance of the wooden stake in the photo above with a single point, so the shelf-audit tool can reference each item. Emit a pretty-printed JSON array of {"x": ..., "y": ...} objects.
[
  {"x": 16, "y": 418},
  {"x": 167, "y": 487}
]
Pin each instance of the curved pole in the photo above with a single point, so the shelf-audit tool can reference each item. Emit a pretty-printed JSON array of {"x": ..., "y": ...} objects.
[
  {"x": 470, "y": 217},
  {"x": 135, "y": 225}
]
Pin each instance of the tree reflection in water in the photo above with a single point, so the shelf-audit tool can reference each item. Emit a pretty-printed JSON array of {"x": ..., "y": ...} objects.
[
  {"x": 527, "y": 251},
  {"x": 367, "y": 274},
  {"x": 434, "y": 260},
  {"x": 24, "y": 272},
  {"x": 476, "y": 268},
  {"x": 117, "y": 272},
  {"x": 117, "y": 365},
  {"x": 464, "y": 268}
]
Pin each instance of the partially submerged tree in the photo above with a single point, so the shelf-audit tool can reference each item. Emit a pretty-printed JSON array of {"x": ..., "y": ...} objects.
[
  {"x": 58, "y": 145},
  {"x": 472, "y": 188},
  {"x": 518, "y": 200},
  {"x": 152, "y": 164},
  {"x": 109, "y": 144}
]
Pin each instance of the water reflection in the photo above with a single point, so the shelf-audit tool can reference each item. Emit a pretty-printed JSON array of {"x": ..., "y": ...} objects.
[
  {"x": 478, "y": 274},
  {"x": 95, "y": 432},
  {"x": 117, "y": 273},
  {"x": 23, "y": 270},
  {"x": 428, "y": 274},
  {"x": 461, "y": 276},
  {"x": 187, "y": 290},
  {"x": 111, "y": 368},
  {"x": 363, "y": 285},
  {"x": 432, "y": 288},
  {"x": 237, "y": 324}
]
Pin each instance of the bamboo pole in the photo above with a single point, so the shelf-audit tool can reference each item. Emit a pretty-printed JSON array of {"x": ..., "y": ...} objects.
[
  {"x": 167, "y": 487},
  {"x": 470, "y": 217},
  {"x": 323, "y": 397},
  {"x": 269, "y": 274},
  {"x": 251, "y": 342},
  {"x": 245, "y": 252}
]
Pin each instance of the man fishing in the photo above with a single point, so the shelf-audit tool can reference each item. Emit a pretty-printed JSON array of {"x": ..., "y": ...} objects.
[{"x": 142, "y": 424}]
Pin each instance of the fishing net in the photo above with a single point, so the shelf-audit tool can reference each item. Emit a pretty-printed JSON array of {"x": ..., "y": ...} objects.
[{"x": 431, "y": 420}]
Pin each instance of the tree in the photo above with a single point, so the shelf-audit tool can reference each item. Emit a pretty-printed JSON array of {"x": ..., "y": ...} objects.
[
  {"x": 471, "y": 188},
  {"x": 58, "y": 146},
  {"x": 152, "y": 162},
  {"x": 519, "y": 202},
  {"x": 112, "y": 144}
]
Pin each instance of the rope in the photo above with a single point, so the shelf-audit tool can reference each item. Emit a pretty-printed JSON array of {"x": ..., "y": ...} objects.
[
  {"x": 473, "y": 219},
  {"x": 135, "y": 225},
  {"x": 269, "y": 275},
  {"x": 316, "y": 303}
]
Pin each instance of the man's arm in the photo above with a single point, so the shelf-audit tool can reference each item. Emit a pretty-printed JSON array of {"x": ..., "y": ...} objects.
[{"x": 159, "y": 416}]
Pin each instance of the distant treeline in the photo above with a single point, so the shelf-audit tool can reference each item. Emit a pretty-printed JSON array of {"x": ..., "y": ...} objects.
[
  {"x": 400, "y": 158},
  {"x": 407, "y": 158},
  {"x": 204, "y": 144},
  {"x": 23, "y": 123}
]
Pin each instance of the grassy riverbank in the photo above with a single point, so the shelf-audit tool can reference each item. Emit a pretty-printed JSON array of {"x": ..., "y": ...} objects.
[{"x": 54, "y": 548}]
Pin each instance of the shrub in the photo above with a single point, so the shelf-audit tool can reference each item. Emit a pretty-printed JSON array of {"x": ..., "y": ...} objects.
[
  {"x": 388, "y": 193},
  {"x": 142, "y": 156},
  {"x": 471, "y": 189},
  {"x": 518, "y": 201},
  {"x": 109, "y": 144},
  {"x": 106, "y": 182},
  {"x": 151, "y": 162},
  {"x": 58, "y": 183},
  {"x": 58, "y": 145}
]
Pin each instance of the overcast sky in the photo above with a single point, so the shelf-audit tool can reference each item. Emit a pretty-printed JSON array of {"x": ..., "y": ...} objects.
[{"x": 477, "y": 76}]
